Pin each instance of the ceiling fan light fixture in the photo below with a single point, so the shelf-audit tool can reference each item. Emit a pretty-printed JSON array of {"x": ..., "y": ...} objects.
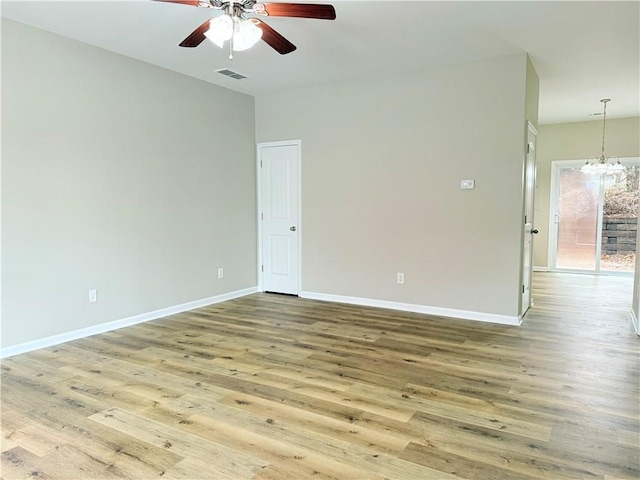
[
  {"x": 243, "y": 31},
  {"x": 246, "y": 35},
  {"x": 220, "y": 30}
]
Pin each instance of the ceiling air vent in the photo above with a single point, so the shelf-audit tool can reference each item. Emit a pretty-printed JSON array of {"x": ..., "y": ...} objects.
[{"x": 231, "y": 73}]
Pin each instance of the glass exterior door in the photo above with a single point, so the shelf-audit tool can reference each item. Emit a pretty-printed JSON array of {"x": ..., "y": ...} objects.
[
  {"x": 577, "y": 220},
  {"x": 596, "y": 219}
]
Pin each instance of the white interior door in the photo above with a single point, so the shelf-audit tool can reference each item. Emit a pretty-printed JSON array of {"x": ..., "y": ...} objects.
[
  {"x": 279, "y": 216},
  {"x": 529, "y": 231}
]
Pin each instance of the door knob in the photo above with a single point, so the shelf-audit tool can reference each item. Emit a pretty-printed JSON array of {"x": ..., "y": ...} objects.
[
  {"x": 293, "y": 228},
  {"x": 535, "y": 231}
]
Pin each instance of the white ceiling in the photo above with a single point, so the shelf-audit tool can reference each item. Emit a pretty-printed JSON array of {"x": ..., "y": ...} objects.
[{"x": 582, "y": 51}]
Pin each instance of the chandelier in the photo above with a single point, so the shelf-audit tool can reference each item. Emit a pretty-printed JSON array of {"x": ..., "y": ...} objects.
[
  {"x": 603, "y": 165},
  {"x": 242, "y": 33}
]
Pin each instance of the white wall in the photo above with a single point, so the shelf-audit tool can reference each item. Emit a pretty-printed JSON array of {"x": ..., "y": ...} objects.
[
  {"x": 117, "y": 176},
  {"x": 382, "y": 163}
]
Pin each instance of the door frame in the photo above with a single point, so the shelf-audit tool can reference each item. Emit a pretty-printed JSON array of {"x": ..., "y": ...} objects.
[
  {"x": 553, "y": 214},
  {"x": 552, "y": 244},
  {"x": 529, "y": 190},
  {"x": 283, "y": 143}
]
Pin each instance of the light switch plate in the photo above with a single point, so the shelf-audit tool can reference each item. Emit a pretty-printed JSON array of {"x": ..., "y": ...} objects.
[{"x": 467, "y": 184}]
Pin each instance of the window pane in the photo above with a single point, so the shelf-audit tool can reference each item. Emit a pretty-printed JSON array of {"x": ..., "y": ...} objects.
[
  {"x": 620, "y": 221},
  {"x": 578, "y": 220}
]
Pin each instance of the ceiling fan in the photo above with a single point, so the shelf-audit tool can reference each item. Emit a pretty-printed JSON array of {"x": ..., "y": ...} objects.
[{"x": 244, "y": 31}]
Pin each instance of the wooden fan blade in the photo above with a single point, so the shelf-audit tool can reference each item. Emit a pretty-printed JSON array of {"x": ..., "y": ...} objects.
[
  {"x": 274, "y": 39},
  {"x": 304, "y": 10},
  {"x": 197, "y": 37},
  {"x": 193, "y": 3}
]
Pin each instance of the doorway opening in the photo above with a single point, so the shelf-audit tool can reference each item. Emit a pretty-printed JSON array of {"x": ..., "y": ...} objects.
[{"x": 594, "y": 219}]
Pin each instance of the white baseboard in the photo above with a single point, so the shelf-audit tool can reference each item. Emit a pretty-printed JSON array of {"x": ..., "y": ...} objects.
[
  {"x": 634, "y": 320},
  {"x": 541, "y": 269},
  {"x": 124, "y": 322},
  {"x": 409, "y": 307}
]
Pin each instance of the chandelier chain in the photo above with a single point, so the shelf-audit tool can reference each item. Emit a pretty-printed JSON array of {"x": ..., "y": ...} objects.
[
  {"x": 604, "y": 124},
  {"x": 603, "y": 165}
]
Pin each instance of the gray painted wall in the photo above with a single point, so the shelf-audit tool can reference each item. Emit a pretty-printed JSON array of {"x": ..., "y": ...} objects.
[
  {"x": 382, "y": 162},
  {"x": 117, "y": 176}
]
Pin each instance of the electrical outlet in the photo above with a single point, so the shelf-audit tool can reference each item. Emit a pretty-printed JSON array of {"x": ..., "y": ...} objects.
[
  {"x": 221, "y": 273},
  {"x": 93, "y": 296},
  {"x": 400, "y": 278}
]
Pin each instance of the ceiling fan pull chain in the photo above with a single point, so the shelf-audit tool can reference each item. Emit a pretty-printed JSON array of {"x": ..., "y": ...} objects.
[{"x": 232, "y": 13}]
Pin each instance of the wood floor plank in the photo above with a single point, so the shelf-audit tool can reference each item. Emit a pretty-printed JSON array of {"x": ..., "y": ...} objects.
[
  {"x": 383, "y": 441},
  {"x": 276, "y": 451},
  {"x": 459, "y": 466},
  {"x": 473, "y": 412},
  {"x": 273, "y": 387},
  {"x": 335, "y": 448},
  {"x": 223, "y": 461},
  {"x": 66, "y": 414},
  {"x": 631, "y": 439},
  {"x": 19, "y": 463},
  {"x": 69, "y": 461},
  {"x": 517, "y": 452}
]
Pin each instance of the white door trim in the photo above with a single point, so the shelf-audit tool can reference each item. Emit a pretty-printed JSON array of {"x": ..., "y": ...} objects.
[
  {"x": 298, "y": 145},
  {"x": 529, "y": 190}
]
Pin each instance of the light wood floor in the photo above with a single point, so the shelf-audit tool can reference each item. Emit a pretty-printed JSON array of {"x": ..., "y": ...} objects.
[{"x": 274, "y": 387}]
